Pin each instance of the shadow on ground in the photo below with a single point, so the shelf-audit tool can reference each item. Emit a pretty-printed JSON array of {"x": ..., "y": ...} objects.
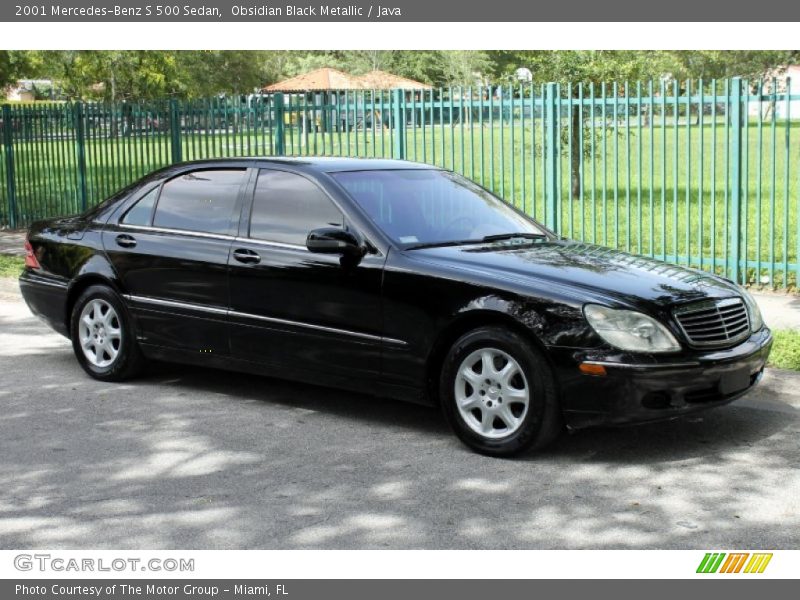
[{"x": 196, "y": 458}]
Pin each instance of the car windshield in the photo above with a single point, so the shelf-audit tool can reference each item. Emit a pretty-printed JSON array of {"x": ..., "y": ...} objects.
[{"x": 431, "y": 207}]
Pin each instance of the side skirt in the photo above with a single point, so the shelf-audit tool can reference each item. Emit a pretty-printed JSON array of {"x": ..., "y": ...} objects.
[{"x": 366, "y": 386}]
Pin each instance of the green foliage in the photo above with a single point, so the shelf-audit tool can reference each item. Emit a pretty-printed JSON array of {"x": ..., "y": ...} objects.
[
  {"x": 583, "y": 65},
  {"x": 631, "y": 65},
  {"x": 138, "y": 74},
  {"x": 14, "y": 64},
  {"x": 465, "y": 67},
  {"x": 302, "y": 62},
  {"x": 110, "y": 75},
  {"x": 786, "y": 349},
  {"x": 710, "y": 64},
  {"x": 421, "y": 65},
  {"x": 213, "y": 72},
  {"x": 11, "y": 266}
]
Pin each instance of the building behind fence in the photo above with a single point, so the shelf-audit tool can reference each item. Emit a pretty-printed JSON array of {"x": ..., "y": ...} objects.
[{"x": 705, "y": 174}]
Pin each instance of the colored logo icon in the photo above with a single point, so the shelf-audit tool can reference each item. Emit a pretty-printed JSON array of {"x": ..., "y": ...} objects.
[{"x": 734, "y": 562}]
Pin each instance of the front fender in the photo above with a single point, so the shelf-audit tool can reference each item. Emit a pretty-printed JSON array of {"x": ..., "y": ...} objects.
[{"x": 552, "y": 323}]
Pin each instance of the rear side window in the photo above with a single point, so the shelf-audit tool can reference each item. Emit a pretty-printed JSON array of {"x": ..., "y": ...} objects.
[
  {"x": 201, "y": 201},
  {"x": 287, "y": 206},
  {"x": 140, "y": 213}
]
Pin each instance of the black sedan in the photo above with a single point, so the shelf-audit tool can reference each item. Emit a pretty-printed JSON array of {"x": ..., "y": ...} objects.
[{"x": 396, "y": 279}]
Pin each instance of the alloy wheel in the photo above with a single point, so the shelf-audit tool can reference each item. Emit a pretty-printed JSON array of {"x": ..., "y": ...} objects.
[
  {"x": 100, "y": 333},
  {"x": 492, "y": 393}
]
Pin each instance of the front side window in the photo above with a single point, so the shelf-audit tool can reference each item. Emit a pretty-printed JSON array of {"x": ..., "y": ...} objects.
[
  {"x": 140, "y": 213},
  {"x": 287, "y": 206},
  {"x": 428, "y": 206},
  {"x": 201, "y": 201}
]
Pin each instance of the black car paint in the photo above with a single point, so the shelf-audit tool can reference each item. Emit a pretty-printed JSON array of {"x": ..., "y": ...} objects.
[{"x": 382, "y": 323}]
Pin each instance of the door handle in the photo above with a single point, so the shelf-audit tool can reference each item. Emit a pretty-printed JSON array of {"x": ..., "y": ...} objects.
[
  {"x": 126, "y": 241},
  {"x": 243, "y": 255}
]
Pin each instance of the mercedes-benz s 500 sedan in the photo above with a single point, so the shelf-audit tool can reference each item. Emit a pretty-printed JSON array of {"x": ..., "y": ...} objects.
[{"x": 396, "y": 279}]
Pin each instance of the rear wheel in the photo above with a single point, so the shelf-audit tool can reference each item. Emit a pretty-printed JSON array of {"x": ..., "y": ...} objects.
[
  {"x": 102, "y": 337},
  {"x": 498, "y": 393}
]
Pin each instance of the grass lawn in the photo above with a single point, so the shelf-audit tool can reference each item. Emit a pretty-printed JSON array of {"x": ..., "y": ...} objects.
[
  {"x": 662, "y": 191},
  {"x": 786, "y": 350},
  {"x": 11, "y": 266}
]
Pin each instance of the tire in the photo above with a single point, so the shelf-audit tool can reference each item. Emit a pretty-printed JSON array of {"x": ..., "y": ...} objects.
[
  {"x": 102, "y": 335},
  {"x": 507, "y": 409}
]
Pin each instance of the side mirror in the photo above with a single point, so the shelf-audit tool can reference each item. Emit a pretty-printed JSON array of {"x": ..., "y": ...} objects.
[{"x": 333, "y": 240}]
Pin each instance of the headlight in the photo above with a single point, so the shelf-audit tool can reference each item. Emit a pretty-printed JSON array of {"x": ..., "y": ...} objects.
[
  {"x": 756, "y": 320},
  {"x": 630, "y": 330}
]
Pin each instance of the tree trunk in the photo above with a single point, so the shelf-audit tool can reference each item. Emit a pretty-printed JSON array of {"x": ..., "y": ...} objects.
[
  {"x": 113, "y": 90},
  {"x": 577, "y": 152}
]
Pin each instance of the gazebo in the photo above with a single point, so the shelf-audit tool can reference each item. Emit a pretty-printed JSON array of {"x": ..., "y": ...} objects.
[
  {"x": 381, "y": 80},
  {"x": 318, "y": 80},
  {"x": 318, "y": 87},
  {"x": 328, "y": 79},
  {"x": 329, "y": 87}
]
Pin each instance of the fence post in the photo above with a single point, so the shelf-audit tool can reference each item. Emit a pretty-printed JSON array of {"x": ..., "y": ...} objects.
[
  {"x": 735, "y": 124},
  {"x": 80, "y": 147},
  {"x": 279, "y": 131},
  {"x": 551, "y": 130},
  {"x": 175, "y": 130},
  {"x": 8, "y": 143},
  {"x": 399, "y": 123}
]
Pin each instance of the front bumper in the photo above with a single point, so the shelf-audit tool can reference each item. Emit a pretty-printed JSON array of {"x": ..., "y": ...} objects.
[{"x": 638, "y": 391}]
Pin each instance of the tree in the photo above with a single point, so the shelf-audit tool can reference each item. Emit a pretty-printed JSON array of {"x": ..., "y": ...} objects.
[
  {"x": 421, "y": 65},
  {"x": 363, "y": 61},
  {"x": 585, "y": 66},
  {"x": 148, "y": 74},
  {"x": 214, "y": 72},
  {"x": 14, "y": 64},
  {"x": 112, "y": 75},
  {"x": 465, "y": 67},
  {"x": 710, "y": 64},
  {"x": 304, "y": 61}
]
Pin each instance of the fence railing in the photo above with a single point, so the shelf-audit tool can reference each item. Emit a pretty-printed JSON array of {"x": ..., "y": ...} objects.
[{"x": 701, "y": 173}]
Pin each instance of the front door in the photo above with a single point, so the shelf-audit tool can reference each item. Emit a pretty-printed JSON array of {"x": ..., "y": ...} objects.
[{"x": 306, "y": 313}]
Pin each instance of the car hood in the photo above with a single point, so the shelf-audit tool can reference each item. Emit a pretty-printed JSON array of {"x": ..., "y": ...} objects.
[{"x": 577, "y": 265}]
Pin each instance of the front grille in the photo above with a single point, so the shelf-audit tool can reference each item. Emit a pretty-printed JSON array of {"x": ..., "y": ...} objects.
[{"x": 714, "y": 322}]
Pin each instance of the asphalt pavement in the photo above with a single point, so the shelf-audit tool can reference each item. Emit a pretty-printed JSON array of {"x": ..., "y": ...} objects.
[{"x": 186, "y": 458}]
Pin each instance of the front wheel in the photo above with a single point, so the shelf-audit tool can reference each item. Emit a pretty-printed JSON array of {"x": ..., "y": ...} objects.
[
  {"x": 498, "y": 393},
  {"x": 102, "y": 336}
]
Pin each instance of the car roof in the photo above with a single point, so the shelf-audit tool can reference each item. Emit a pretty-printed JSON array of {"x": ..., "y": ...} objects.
[{"x": 326, "y": 164}]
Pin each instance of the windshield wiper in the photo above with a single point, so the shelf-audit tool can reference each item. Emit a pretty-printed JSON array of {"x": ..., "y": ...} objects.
[
  {"x": 443, "y": 244},
  {"x": 510, "y": 236},
  {"x": 489, "y": 238}
]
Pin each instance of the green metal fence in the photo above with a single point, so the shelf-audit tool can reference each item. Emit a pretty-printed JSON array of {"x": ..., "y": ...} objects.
[{"x": 701, "y": 173}]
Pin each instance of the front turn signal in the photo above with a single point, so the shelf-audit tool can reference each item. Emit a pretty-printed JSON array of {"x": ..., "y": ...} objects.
[{"x": 593, "y": 369}]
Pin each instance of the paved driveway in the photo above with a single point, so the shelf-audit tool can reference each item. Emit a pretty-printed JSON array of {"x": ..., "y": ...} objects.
[
  {"x": 12, "y": 242},
  {"x": 189, "y": 458}
]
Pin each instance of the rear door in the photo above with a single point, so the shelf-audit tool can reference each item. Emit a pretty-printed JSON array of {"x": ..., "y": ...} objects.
[
  {"x": 170, "y": 251},
  {"x": 305, "y": 312}
]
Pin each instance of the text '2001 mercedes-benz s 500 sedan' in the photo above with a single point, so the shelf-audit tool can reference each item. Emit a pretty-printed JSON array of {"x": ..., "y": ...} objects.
[{"x": 396, "y": 279}]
